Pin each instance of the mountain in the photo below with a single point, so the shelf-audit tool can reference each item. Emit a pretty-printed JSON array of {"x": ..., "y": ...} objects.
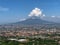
[{"x": 34, "y": 21}]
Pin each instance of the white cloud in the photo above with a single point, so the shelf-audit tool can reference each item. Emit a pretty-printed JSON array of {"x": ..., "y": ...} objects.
[
  {"x": 22, "y": 19},
  {"x": 3, "y": 9},
  {"x": 53, "y": 16},
  {"x": 43, "y": 15},
  {"x": 36, "y": 12}
]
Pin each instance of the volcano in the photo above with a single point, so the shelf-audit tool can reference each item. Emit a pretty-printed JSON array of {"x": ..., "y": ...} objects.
[{"x": 34, "y": 21}]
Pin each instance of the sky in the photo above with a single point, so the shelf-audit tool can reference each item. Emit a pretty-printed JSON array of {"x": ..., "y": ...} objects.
[{"x": 16, "y": 10}]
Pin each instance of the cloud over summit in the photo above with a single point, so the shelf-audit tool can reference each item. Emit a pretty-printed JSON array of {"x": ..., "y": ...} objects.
[{"x": 36, "y": 12}]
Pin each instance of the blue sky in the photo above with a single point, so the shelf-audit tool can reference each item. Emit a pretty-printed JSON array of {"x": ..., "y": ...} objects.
[{"x": 14, "y": 10}]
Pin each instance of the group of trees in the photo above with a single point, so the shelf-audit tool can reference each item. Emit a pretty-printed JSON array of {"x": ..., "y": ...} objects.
[{"x": 35, "y": 41}]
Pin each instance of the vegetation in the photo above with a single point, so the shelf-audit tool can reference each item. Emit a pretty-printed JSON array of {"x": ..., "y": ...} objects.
[{"x": 32, "y": 41}]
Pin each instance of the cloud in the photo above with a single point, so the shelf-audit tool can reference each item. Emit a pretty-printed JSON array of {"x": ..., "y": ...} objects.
[
  {"x": 43, "y": 15},
  {"x": 3, "y": 9},
  {"x": 53, "y": 16},
  {"x": 36, "y": 12},
  {"x": 22, "y": 19}
]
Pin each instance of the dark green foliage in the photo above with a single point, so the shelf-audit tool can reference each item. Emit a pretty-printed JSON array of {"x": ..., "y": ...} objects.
[{"x": 32, "y": 41}]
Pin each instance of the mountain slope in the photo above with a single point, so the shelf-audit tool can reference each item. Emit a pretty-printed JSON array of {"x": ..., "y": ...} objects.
[{"x": 34, "y": 21}]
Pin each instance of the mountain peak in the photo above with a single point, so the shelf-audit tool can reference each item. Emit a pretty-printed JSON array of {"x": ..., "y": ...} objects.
[{"x": 34, "y": 17}]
